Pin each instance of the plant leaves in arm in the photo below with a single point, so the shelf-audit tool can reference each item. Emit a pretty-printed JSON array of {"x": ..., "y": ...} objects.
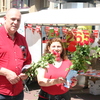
[{"x": 43, "y": 62}]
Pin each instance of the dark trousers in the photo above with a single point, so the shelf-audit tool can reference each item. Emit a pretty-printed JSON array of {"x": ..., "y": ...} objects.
[
  {"x": 65, "y": 96},
  {"x": 17, "y": 97}
]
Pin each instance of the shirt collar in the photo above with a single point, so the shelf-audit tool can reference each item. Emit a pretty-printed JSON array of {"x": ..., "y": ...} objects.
[{"x": 6, "y": 33}]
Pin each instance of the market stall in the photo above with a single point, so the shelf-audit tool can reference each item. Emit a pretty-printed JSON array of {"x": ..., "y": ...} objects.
[
  {"x": 46, "y": 24},
  {"x": 37, "y": 21}
]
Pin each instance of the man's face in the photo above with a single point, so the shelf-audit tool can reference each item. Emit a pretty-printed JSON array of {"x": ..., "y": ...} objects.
[{"x": 12, "y": 21}]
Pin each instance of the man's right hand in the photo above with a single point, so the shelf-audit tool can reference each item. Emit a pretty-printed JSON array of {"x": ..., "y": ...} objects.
[{"x": 10, "y": 75}]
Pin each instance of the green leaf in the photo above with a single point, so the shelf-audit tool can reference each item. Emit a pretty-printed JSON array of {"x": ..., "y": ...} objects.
[
  {"x": 43, "y": 62},
  {"x": 81, "y": 56}
]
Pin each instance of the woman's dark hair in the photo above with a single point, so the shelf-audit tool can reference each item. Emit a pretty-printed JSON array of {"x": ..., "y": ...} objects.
[{"x": 63, "y": 54}]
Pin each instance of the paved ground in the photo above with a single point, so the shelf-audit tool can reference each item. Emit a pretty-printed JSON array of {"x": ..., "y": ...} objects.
[{"x": 77, "y": 93}]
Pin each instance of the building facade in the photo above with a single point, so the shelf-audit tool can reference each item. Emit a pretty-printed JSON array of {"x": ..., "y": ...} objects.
[
  {"x": 28, "y": 6},
  {"x": 25, "y": 6}
]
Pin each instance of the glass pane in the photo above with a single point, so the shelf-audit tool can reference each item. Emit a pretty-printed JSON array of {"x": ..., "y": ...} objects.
[
  {"x": 25, "y": 3},
  {"x": 20, "y": 3},
  {"x": 14, "y": 3}
]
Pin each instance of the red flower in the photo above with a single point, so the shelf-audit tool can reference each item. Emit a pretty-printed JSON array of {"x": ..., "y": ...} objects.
[
  {"x": 91, "y": 40},
  {"x": 86, "y": 42},
  {"x": 57, "y": 55},
  {"x": 54, "y": 52},
  {"x": 81, "y": 43},
  {"x": 71, "y": 48},
  {"x": 57, "y": 59},
  {"x": 73, "y": 43}
]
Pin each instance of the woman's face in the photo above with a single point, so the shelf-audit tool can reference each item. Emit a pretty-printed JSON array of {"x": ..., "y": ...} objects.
[{"x": 55, "y": 46}]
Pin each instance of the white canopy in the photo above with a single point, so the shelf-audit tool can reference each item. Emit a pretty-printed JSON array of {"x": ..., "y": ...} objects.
[{"x": 79, "y": 16}]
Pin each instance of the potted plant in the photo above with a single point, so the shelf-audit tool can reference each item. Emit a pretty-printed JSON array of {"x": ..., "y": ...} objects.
[{"x": 81, "y": 56}]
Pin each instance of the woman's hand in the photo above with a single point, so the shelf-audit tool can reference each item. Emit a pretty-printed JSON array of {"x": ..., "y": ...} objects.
[
  {"x": 74, "y": 81},
  {"x": 59, "y": 80}
]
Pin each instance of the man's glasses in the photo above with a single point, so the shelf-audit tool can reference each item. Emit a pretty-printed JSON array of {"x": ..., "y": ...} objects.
[{"x": 23, "y": 48}]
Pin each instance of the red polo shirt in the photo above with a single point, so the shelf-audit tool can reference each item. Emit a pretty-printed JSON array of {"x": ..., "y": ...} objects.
[{"x": 12, "y": 57}]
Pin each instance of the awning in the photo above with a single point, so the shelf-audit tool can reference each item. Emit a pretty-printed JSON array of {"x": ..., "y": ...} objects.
[{"x": 77, "y": 16}]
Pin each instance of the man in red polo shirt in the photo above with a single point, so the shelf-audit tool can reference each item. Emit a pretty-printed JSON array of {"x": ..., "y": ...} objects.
[{"x": 14, "y": 55}]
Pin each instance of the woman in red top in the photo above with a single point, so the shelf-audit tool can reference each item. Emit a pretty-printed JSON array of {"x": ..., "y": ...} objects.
[{"x": 52, "y": 78}]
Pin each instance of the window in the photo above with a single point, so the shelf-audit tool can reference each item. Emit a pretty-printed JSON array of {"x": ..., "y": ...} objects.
[
  {"x": 44, "y": 4},
  {"x": 3, "y": 6},
  {"x": 20, "y": 3}
]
